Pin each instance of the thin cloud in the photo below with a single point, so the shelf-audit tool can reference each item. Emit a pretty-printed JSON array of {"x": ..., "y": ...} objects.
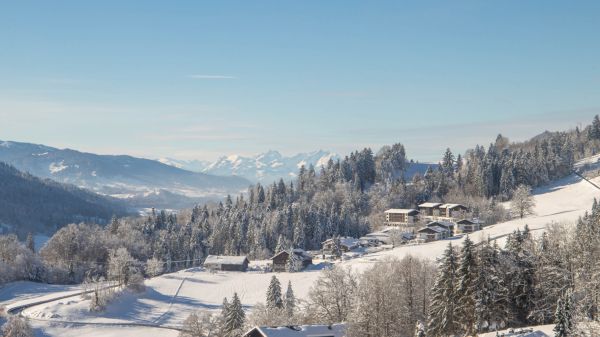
[{"x": 212, "y": 77}]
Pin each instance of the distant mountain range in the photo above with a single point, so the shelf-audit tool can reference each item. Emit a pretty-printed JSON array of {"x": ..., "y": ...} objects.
[
  {"x": 265, "y": 167},
  {"x": 28, "y": 203},
  {"x": 271, "y": 166},
  {"x": 122, "y": 176}
]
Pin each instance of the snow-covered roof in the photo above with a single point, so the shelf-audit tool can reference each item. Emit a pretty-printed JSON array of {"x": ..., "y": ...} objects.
[
  {"x": 436, "y": 229},
  {"x": 451, "y": 206},
  {"x": 335, "y": 330},
  {"x": 401, "y": 210},
  {"x": 440, "y": 223},
  {"x": 225, "y": 259},
  {"x": 298, "y": 251},
  {"x": 430, "y": 204},
  {"x": 345, "y": 241}
]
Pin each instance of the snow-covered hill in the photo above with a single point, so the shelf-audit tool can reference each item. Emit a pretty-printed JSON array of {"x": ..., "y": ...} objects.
[
  {"x": 265, "y": 167},
  {"x": 119, "y": 176},
  {"x": 169, "y": 298}
]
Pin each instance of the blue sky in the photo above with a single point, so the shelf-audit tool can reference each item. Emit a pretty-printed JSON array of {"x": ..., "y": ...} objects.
[{"x": 200, "y": 79}]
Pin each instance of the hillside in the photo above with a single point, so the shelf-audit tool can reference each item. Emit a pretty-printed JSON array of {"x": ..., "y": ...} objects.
[
  {"x": 28, "y": 203},
  {"x": 120, "y": 176},
  {"x": 169, "y": 298}
]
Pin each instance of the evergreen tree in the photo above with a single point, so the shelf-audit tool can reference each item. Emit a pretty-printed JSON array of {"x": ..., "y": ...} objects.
[
  {"x": 290, "y": 300},
  {"x": 234, "y": 317},
  {"x": 467, "y": 276},
  {"x": 491, "y": 307},
  {"x": 274, "y": 299},
  {"x": 442, "y": 318},
  {"x": 564, "y": 315},
  {"x": 280, "y": 245}
]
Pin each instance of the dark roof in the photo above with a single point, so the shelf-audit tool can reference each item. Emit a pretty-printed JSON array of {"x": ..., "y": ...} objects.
[
  {"x": 299, "y": 252},
  {"x": 444, "y": 224},
  {"x": 465, "y": 222}
]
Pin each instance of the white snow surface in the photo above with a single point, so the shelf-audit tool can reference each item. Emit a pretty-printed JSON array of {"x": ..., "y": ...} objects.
[
  {"x": 169, "y": 298},
  {"x": 57, "y": 167}
]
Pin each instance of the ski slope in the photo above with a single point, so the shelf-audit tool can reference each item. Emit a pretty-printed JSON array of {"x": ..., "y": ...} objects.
[{"x": 169, "y": 298}]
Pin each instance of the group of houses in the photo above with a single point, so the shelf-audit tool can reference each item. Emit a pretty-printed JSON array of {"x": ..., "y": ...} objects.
[
  {"x": 435, "y": 221},
  {"x": 438, "y": 220},
  {"x": 279, "y": 262}
]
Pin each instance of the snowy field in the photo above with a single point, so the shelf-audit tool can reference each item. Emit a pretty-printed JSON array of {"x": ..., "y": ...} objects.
[{"x": 169, "y": 298}]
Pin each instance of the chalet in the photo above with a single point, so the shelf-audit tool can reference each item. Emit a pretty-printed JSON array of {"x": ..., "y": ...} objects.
[
  {"x": 226, "y": 263},
  {"x": 280, "y": 259},
  {"x": 346, "y": 244},
  {"x": 376, "y": 239},
  {"x": 430, "y": 210},
  {"x": 433, "y": 233},
  {"x": 453, "y": 211},
  {"x": 467, "y": 226},
  {"x": 335, "y": 330},
  {"x": 401, "y": 217},
  {"x": 444, "y": 224}
]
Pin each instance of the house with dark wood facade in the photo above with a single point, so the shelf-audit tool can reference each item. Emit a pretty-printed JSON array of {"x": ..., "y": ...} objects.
[{"x": 279, "y": 260}]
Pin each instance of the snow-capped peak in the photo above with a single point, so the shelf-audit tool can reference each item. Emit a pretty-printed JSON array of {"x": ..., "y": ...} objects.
[{"x": 267, "y": 166}]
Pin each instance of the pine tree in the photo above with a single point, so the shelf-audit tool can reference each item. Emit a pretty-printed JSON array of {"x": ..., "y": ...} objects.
[
  {"x": 290, "y": 300},
  {"x": 467, "y": 275},
  {"x": 442, "y": 319},
  {"x": 564, "y": 315},
  {"x": 491, "y": 306},
  {"x": 234, "y": 317},
  {"x": 280, "y": 245},
  {"x": 274, "y": 299},
  {"x": 294, "y": 262}
]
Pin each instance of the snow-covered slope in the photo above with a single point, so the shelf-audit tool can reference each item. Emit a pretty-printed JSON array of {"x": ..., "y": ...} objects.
[
  {"x": 265, "y": 167},
  {"x": 169, "y": 298}
]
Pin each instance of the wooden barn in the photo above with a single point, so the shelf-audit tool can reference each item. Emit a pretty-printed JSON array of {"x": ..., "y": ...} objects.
[
  {"x": 280, "y": 259},
  {"x": 226, "y": 263}
]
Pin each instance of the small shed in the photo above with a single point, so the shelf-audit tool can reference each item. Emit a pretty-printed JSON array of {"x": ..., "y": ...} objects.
[
  {"x": 335, "y": 330},
  {"x": 226, "y": 263},
  {"x": 280, "y": 259}
]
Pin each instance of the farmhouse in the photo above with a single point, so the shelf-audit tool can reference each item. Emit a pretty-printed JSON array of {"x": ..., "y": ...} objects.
[
  {"x": 401, "y": 217},
  {"x": 346, "y": 244},
  {"x": 335, "y": 330},
  {"x": 226, "y": 263},
  {"x": 280, "y": 259},
  {"x": 467, "y": 226},
  {"x": 430, "y": 210},
  {"x": 433, "y": 233},
  {"x": 449, "y": 226},
  {"x": 453, "y": 211}
]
